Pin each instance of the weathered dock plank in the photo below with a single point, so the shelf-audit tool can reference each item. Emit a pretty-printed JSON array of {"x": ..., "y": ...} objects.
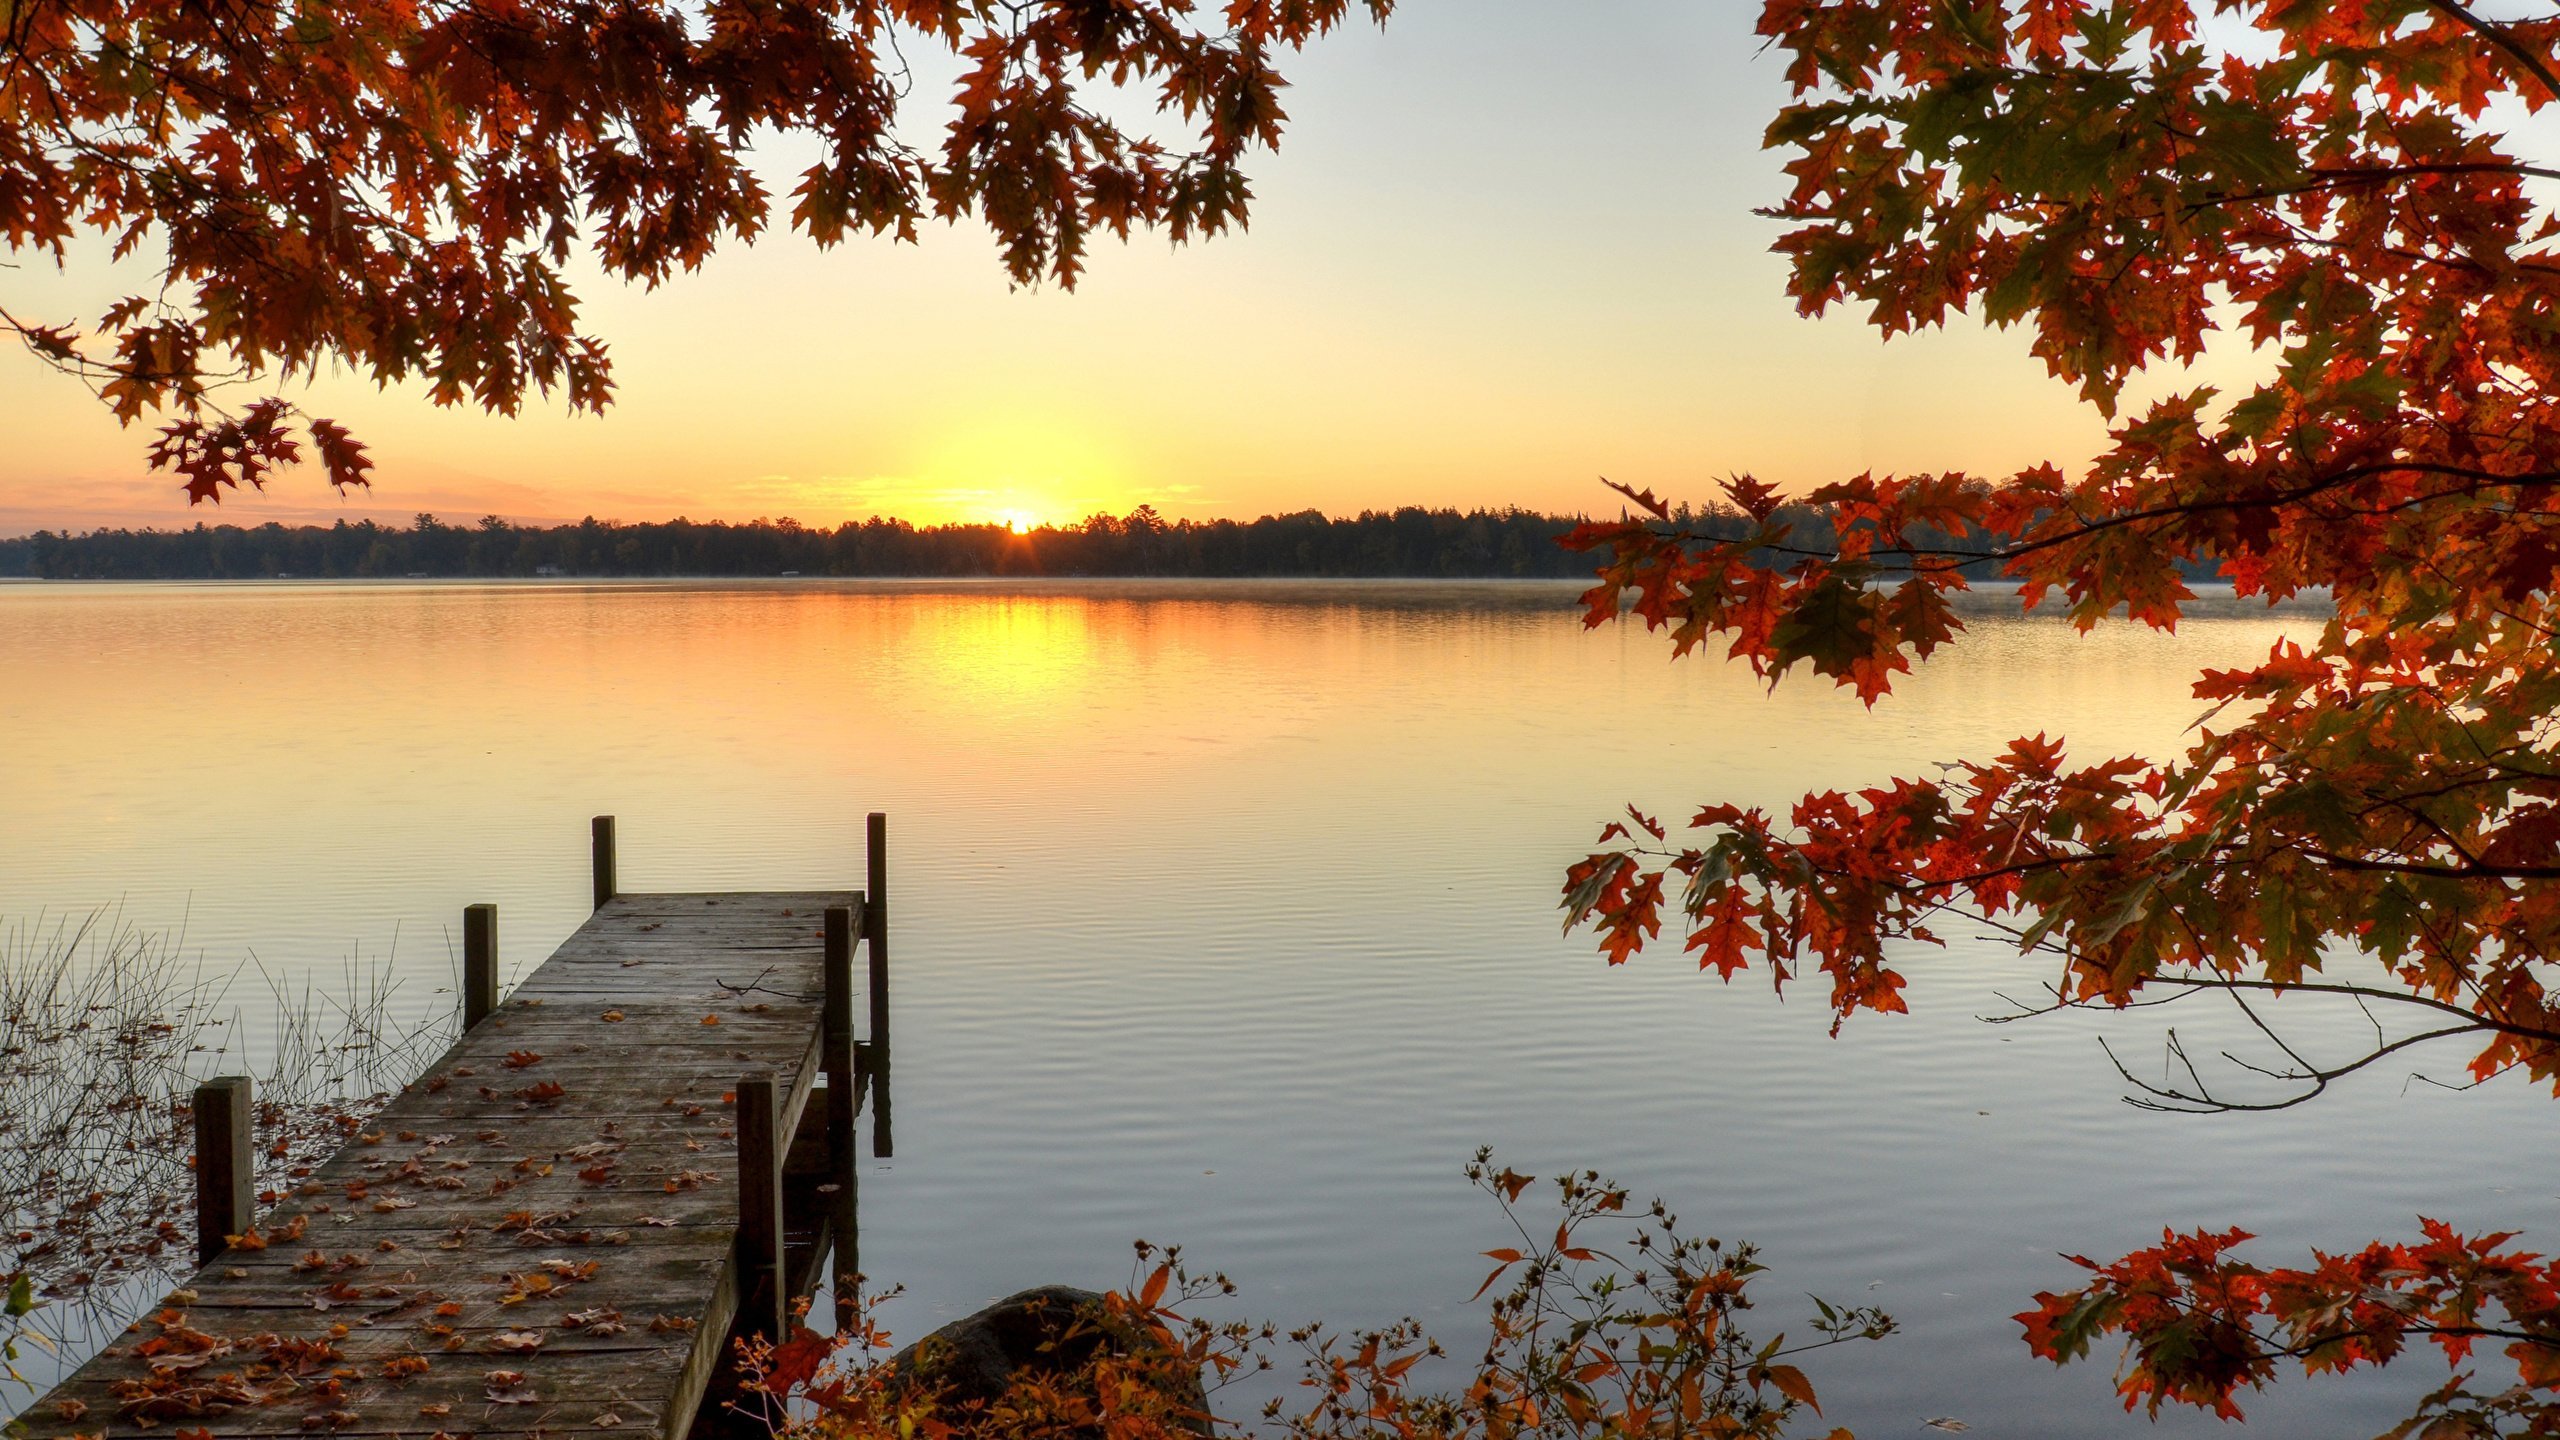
[{"x": 537, "y": 1236}]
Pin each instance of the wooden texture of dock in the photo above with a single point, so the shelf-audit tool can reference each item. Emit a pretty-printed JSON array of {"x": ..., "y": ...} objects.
[{"x": 560, "y": 1226}]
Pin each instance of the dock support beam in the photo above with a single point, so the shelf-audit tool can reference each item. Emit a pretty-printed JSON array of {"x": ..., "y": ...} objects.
[
  {"x": 479, "y": 963},
  {"x": 843, "y": 1098},
  {"x": 837, "y": 1018},
  {"x": 761, "y": 1302},
  {"x": 226, "y": 1170},
  {"x": 875, "y": 942},
  {"x": 605, "y": 883},
  {"x": 875, "y": 924}
]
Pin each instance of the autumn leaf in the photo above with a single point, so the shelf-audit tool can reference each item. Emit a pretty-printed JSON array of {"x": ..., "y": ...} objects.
[
  {"x": 2367, "y": 810},
  {"x": 419, "y": 191}
]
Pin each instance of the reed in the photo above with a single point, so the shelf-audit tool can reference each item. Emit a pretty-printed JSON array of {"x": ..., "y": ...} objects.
[{"x": 106, "y": 1028}]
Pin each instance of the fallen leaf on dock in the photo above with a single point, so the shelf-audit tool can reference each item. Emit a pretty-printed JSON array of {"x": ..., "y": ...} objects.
[
  {"x": 523, "y": 1059},
  {"x": 519, "y": 1342},
  {"x": 613, "y": 1015}
]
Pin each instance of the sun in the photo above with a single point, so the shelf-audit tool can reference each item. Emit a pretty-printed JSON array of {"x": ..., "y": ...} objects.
[{"x": 1020, "y": 522}]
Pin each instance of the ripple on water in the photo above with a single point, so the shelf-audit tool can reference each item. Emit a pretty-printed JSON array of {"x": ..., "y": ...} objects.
[{"x": 1225, "y": 916}]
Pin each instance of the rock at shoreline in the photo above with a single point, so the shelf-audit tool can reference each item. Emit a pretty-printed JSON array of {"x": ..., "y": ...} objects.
[{"x": 1052, "y": 1332}]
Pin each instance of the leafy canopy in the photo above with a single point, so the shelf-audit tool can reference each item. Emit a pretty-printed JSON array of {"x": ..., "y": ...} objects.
[
  {"x": 400, "y": 185},
  {"x": 2333, "y": 186}
]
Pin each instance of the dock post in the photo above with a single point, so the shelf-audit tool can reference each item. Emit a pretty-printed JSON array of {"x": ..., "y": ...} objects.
[
  {"x": 761, "y": 1302},
  {"x": 875, "y": 925},
  {"x": 479, "y": 963},
  {"x": 605, "y": 886},
  {"x": 837, "y": 1020},
  {"x": 226, "y": 1171},
  {"x": 844, "y": 1097}
]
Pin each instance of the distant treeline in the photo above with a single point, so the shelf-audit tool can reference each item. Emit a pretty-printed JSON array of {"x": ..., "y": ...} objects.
[{"x": 1410, "y": 542}]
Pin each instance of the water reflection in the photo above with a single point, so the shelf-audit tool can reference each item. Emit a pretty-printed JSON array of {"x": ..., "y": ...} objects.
[{"x": 1226, "y": 916}]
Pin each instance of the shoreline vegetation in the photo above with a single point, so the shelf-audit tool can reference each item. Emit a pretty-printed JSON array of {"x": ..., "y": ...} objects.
[
  {"x": 1408, "y": 543},
  {"x": 106, "y": 1028}
]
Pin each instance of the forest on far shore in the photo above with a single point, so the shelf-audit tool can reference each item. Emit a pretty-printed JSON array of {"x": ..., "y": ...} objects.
[{"x": 1411, "y": 542}]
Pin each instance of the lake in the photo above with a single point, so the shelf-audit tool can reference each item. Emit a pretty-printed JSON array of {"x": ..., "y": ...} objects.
[{"x": 1225, "y": 915}]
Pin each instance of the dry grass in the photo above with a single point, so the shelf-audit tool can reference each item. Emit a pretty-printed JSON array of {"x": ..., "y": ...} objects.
[{"x": 106, "y": 1028}]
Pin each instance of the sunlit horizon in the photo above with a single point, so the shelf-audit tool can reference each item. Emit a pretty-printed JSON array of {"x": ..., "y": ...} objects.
[{"x": 1441, "y": 302}]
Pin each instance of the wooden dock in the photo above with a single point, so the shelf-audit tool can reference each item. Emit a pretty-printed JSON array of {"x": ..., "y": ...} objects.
[{"x": 563, "y": 1224}]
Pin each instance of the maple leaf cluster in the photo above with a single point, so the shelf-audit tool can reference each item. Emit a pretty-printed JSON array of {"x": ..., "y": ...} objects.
[
  {"x": 2202, "y": 1323},
  {"x": 400, "y": 187},
  {"x": 2375, "y": 812}
]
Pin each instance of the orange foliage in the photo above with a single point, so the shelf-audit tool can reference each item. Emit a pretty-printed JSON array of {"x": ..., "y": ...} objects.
[
  {"x": 1631, "y": 1340},
  {"x": 2373, "y": 814},
  {"x": 402, "y": 188}
]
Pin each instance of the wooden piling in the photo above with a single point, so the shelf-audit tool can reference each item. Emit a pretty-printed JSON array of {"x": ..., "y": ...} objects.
[
  {"x": 762, "y": 1305},
  {"x": 875, "y": 924},
  {"x": 875, "y": 1060},
  {"x": 606, "y": 888},
  {"x": 838, "y": 1040},
  {"x": 226, "y": 1168},
  {"x": 479, "y": 963}
]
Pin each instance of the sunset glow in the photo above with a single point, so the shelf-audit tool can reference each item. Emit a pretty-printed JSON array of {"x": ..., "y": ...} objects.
[{"x": 1367, "y": 344}]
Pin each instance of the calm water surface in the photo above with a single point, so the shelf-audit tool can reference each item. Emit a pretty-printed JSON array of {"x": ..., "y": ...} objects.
[{"x": 1225, "y": 915}]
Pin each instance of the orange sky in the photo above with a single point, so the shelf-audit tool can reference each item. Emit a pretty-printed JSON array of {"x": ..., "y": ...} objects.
[{"x": 1507, "y": 249}]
